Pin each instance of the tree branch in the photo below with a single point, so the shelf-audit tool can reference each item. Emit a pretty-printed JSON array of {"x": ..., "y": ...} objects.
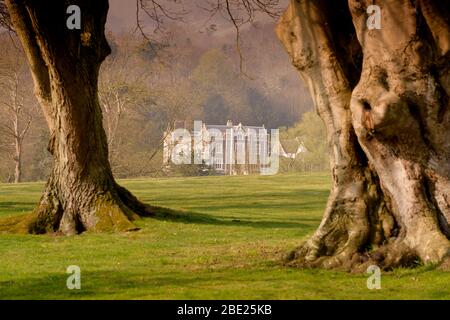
[
  {"x": 21, "y": 22},
  {"x": 238, "y": 12}
]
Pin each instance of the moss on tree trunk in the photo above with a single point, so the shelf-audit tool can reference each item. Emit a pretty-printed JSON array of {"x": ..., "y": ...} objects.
[{"x": 81, "y": 193}]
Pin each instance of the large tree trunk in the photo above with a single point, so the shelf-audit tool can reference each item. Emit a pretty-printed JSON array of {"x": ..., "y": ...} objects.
[
  {"x": 384, "y": 98},
  {"x": 81, "y": 193}
]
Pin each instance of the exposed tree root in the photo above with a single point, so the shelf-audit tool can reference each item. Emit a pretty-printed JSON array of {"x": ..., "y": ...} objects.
[
  {"x": 386, "y": 257},
  {"x": 112, "y": 211},
  {"x": 391, "y": 87},
  {"x": 445, "y": 265},
  {"x": 349, "y": 246}
]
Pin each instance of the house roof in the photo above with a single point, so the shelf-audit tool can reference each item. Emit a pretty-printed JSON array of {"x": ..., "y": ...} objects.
[
  {"x": 223, "y": 128},
  {"x": 180, "y": 124},
  {"x": 290, "y": 145}
]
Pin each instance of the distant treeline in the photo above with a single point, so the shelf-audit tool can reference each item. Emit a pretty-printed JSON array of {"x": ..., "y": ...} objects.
[{"x": 145, "y": 87}]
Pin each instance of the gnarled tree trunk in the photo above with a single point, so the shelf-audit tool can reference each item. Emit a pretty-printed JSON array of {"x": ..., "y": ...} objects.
[
  {"x": 81, "y": 193},
  {"x": 384, "y": 98}
]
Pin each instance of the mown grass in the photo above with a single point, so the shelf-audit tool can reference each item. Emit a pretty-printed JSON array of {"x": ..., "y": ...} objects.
[{"x": 224, "y": 243}]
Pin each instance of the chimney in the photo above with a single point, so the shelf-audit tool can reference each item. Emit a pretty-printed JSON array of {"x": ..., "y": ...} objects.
[{"x": 229, "y": 123}]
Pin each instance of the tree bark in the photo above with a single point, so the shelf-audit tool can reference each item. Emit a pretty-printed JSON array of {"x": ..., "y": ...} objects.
[
  {"x": 81, "y": 193},
  {"x": 18, "y": 161},
  {"x": 383, "y": 96},
  {"x": 18, "y": 136}
]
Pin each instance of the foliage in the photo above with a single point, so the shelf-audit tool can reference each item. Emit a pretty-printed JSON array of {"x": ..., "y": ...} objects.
[{"x": 310, "y": 131}]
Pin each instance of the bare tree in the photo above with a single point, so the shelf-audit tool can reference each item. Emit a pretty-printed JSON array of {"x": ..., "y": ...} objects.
[
  {"x": 81, "y": 193},
  {"x": 122, "y": 89},
  {"x": 16, "y": 106},
  {"x": 237, "y": 12}
]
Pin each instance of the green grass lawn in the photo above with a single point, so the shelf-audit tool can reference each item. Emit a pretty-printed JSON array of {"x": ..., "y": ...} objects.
[{"x": 226, "y": 245}]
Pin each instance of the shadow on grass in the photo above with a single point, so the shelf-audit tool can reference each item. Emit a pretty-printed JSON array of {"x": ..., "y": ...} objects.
[
  {"x": 192, "y": 217},
  {"x": 107, "y": 283},
  {"x": 291, "y": 206},
  {"x": 16, "y": 205},
  {"x": 166, "y": 214},
  {"x": 291, "y": 195}
]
